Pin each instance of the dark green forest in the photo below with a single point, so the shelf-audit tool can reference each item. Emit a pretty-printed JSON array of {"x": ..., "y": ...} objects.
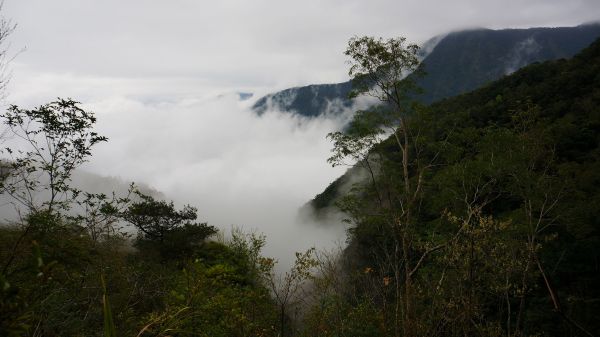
[
  {"x": 474, "y": 216},
  {"x": 503, "y": 234}
]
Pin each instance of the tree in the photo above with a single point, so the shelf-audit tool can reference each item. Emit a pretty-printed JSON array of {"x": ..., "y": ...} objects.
[
  {"x": 54, "y": 140},
  {"x": 287, "y": 287},
  {"x": 379, "y": 68},
  {"x": 60, "y": 138},
  {"x": 100, "y": 214},
  {"x": 160, "y": 224}
]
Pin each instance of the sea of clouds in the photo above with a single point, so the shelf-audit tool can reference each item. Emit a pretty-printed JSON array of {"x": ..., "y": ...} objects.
[{"x": 210, "y": 150}]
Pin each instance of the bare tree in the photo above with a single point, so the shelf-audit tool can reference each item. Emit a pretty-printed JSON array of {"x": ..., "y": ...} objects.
[{"x": 288, "y": 287}]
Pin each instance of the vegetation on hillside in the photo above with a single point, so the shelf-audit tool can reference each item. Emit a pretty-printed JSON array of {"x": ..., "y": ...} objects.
[
  {"x": 460, "y": 62},
  {"x": 495, "y": 231}
]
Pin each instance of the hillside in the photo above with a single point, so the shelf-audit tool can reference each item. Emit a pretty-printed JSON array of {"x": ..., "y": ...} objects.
[
  {"x": 504, "y": 215},
  {"x": 310, "y": 101},
  {"x": 460, "y": 62},
  {"x": 464, "y": 61},
  {"x": 558, "y": 87}
]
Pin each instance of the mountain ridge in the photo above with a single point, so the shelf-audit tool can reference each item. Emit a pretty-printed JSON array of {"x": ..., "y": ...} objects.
[
  {"x": 459, "y": 62},
  {"x": 541, "y": 84}
]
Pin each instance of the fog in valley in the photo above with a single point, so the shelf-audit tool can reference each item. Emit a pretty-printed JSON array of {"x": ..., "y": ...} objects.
[{"x": 213, "y": 152}]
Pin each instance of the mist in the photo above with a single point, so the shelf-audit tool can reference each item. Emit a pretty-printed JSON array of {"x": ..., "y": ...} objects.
[
  {"x": 199, "y": 144},
  {"x": 214, "y": 153}
]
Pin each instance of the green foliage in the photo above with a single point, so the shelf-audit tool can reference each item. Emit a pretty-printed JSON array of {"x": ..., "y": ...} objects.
[
  {"x": 164, "y": 228},
  {"x": 154, "y": 218},
  {"x": 501, "y": 239},
  {"x": 362, "y": 319},
  {"x": 382, "y": 64},
  {"x": 147, "y": 297},
  {"x": 109, "y": 324},
  {"x": 219, "y": 293},
  {"x": 51, "y": 262},
  {"x": 60, "y": 137}
]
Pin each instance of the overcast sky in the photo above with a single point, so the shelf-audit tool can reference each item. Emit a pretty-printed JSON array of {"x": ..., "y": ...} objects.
[
  {"x": 242, "y": 44},
  {"x": 162, "y": 77}
]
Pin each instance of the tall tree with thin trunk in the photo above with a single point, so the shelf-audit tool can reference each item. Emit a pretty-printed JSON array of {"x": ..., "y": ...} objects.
[{"x": 379, "y": 68}]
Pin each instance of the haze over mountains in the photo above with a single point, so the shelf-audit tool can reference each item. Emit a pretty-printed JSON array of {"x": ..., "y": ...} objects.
[{"x": 455, "y": 63}]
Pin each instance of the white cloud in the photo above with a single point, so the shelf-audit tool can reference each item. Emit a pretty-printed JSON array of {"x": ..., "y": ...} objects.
[
  {"x": 247, "y": 43},
  {"x": 208, "y": 150},
  {"x": 237, "y": 168}
]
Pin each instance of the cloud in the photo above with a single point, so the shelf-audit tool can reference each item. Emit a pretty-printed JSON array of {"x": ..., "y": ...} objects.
[
  {"x": 216, "y": 154},
  {"x": 211, "y": 151},
  {"x": 261, "y": 43}
]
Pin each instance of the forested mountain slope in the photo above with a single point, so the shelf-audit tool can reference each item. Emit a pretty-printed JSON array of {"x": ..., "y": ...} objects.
[
  {"x": 567, "y": 91},
  {"x": 310, "y": 100},
  {"x": 501, "y": 234},
  {"x": 460, "y": 62}
]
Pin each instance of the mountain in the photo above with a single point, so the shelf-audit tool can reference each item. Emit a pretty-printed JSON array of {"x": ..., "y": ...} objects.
[
  {"x": 464, "y": 61},
  {"x": 459, "y": 62},
  {"x": 567, "y": 92},
  {"x": 311, "y": 101},
  {"x": 498, "y": 184}
]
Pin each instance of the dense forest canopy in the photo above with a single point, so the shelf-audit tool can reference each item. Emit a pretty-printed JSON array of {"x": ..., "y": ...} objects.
[{"x": 509, "y": 169}]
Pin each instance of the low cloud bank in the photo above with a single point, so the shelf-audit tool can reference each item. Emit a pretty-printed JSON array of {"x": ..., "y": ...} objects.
[
  {"x": 205, "y": 147},
  {"x": 237, "y": 168}
]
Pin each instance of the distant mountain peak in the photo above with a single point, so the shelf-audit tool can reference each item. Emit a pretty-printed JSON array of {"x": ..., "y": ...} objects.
[{"x": 455, "y": 63}]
